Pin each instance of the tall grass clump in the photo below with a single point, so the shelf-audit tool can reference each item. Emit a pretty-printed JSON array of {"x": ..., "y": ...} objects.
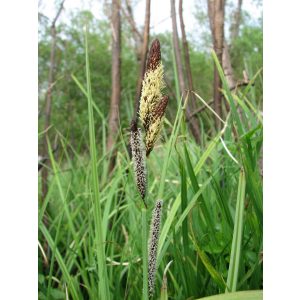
[{"x": 103, "y": 286}]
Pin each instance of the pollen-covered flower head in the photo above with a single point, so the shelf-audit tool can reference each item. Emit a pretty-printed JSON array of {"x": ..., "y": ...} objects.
[{"x": 152, "y": 102}]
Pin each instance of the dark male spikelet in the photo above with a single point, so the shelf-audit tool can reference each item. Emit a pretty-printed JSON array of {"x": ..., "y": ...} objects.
[
  {"x": 156, "y": 124},
  {"x": 154, "y": 56},
  {"x": 153, "y": 244},
  {"x": 139, "y": 159}
]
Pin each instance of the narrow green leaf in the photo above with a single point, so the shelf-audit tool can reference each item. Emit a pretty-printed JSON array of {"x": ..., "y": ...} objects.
[
  {"x": 236, "y": 118},
  {"x": 184, "y": 201},
  {"x": 236, "y": 247},
  {"x": 145, "y": 253},
  {"x": 86, "y": 94},
  {"x": 206, "y": 262},
  {"x": 244, "y": 295},
  {"x": 171, "y": 144},
  {"x": 164, "y": 286},
  {"x": 207, "y": 153}
]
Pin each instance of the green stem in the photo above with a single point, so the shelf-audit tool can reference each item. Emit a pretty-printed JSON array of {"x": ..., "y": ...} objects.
[{"x": 145, "y": 253}]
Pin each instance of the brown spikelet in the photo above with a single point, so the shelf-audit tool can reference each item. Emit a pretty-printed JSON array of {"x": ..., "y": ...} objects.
[
  {"x": 149, "y": 148},
  {"x": 153, "y": 244},
  {"x": 139, "y": 159},
  {"x": 160, "y": 108},
  {"x": 133, "y": 126},
  {"x": 153, "y": 131},
  {"x": 154, "y": 56}
]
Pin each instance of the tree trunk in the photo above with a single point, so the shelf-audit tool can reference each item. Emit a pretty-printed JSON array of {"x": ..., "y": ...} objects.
[
  {"x": 194, "y": 128},
  {"x": 235, "y": 26},
  {"x": 227, "y": 67},
  {"x": 189, "y": 73},
  {"x": 143, "y": 58},
  {"x": 216, "y": 11},
  {"x": 234, "y": 32},
  {"x": 113, "y": 122},
  {"x": 49, "y": 102},
  {"x": 226, "y": 61},
  {"x": 177, "y": 51}
]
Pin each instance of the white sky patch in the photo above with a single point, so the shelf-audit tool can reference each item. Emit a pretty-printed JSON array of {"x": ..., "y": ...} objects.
[
  {"x": 160, "y": 20},
  {"x": 161, "y": 15}
]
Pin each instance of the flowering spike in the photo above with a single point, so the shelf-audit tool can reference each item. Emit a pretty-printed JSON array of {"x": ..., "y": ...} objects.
[
  {"x": 154, "y": 56},
  {"x": 153, "y": 244},
  {"x": 153, "y": 103},
  {"x": 138, "y": 158}
]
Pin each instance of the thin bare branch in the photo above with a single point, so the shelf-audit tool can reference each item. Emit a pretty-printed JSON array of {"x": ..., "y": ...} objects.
[
  {"x": 200, "y": 109},
  {"x": 58, "y": 13},
  {"x": 129, "y": 17}
]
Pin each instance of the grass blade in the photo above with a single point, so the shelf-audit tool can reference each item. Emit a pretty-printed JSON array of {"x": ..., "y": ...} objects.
[
  {"x": 171, "y": 144},
  {"x": 164, "y": 286},
  {"x": 236, "y": 117},
  {"x": 245, "y": 295},
  {"x": 145, "y": 253},
  {"x": 237, "y": 236},
  {"x": 184, "y": 201},
  {"x": 103, "y": 287}
]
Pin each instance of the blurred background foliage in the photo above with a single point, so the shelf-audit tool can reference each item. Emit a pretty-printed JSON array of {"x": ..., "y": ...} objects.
[{"x": 69, "y": 107}]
